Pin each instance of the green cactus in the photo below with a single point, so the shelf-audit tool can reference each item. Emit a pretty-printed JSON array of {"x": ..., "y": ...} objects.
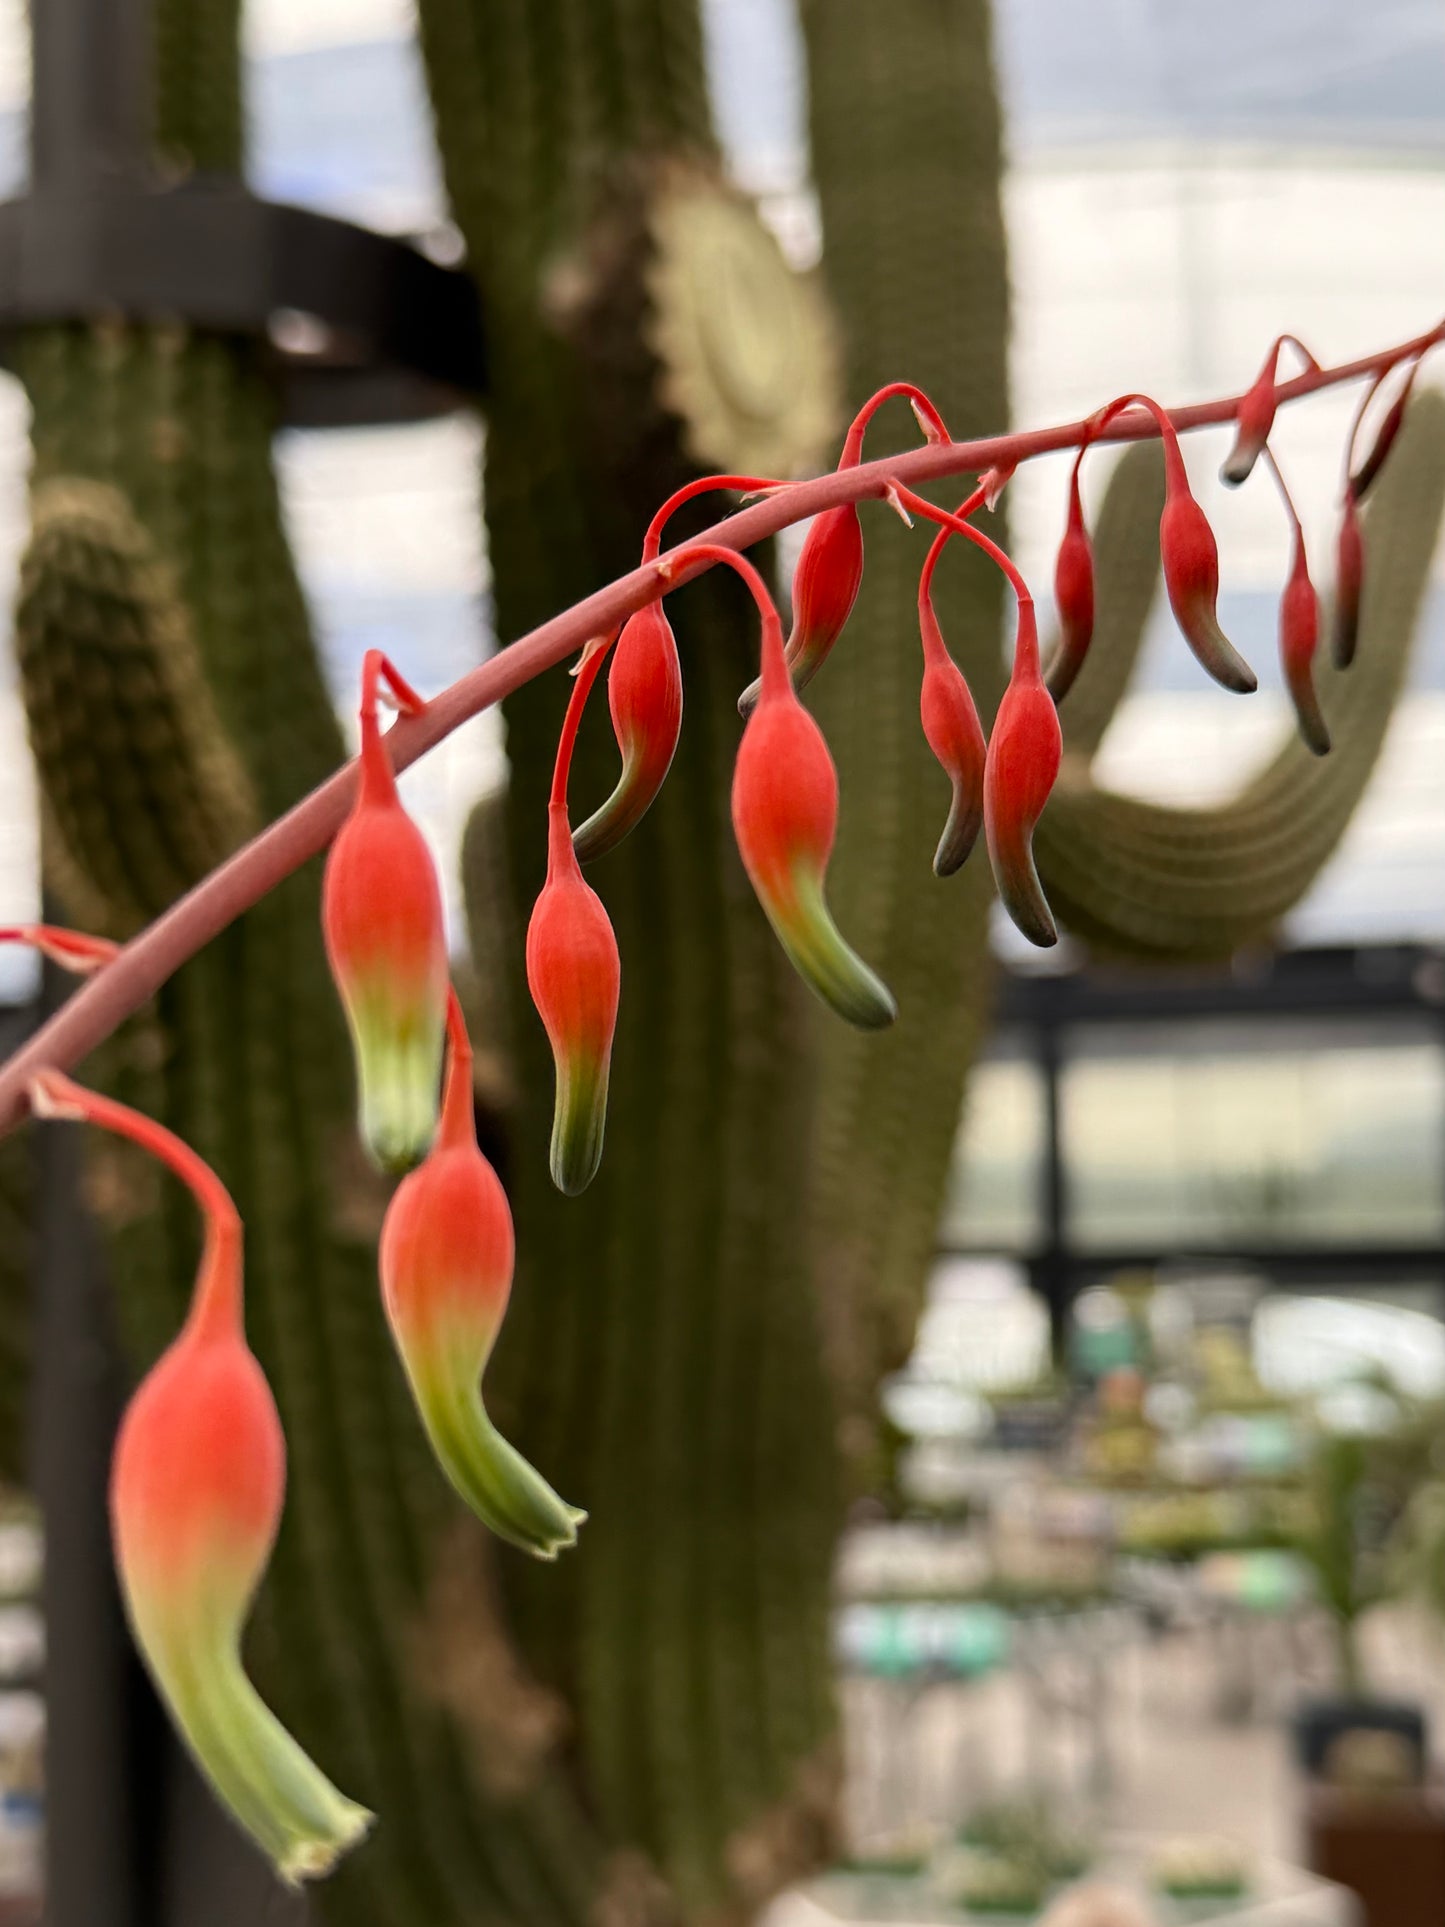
[
  {"x": 905, "y": 137},
  {"x": 1156, "y": 883}
]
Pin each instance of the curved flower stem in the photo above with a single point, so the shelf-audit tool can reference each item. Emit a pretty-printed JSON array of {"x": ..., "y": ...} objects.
[
  {"x": 927, "y": 416},
  {"x": 1285, "y": 496},
  {"x": 162, "y": 947},
  {"x": 775, "y": 664},
  {"x": 218, "y": 1298},
  {"x": 956, "y": 525},
  {"x": 585, "y": 672},
  {"x": 700, "y": 485}
]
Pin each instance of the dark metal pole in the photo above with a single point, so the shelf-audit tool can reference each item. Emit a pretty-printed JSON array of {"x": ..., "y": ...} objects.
[
  {"x": 90, "y": 1675},
  {"x": 1053, "y": 1273},
  {"x": 91, "y": 97}
]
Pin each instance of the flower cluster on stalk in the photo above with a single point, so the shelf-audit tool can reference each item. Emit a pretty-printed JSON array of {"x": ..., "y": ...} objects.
[{"x": 199, "y": 1468}]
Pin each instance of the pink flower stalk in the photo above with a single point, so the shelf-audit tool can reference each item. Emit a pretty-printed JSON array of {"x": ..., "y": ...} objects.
[
  {"x": 950, "y": 719},
  {"x": 829, "y": 570},
  {"x": 197, "y": 1485},
  {"x": 1073, "y": 594},
  {"x": 446, "y": 1272},
  {"x": 1349, "y": 582},
  {"x": 73, "y": 950},
  {"x": 1190, "y": 557},
  {"x": 785, "y": 815},
  {"x": 1299, "y": 628},
  {"x": 573, "y": 970},
  {"x": 644, "y": 694},
  {"x": 381, "y": 913}
]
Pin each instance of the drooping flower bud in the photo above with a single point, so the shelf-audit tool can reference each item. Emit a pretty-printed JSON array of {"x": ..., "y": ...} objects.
[
  {"x": 785, "y": 814},
  {"x": 1349, "y": 583},
  {"x": 1299, "y": 632},
  {"x": 825, "y": 587},
  {"x": 1191, "y": 575},
  {"x": 1385, "y": 434},
  {"x": 1189, "y": 555},
  {"x": 197, "y": 1484},
  {"x": 1252, "y": 423},
  {"x": 644, "y": 694},
  {"x": 951, "y": 728},
  {"x": 1024, "y": 751},
  {"x": 446, "y": 1272},
  {"x": 1073, "y": 595},
  {"x": 574, "y": 973},
  {"x": 381, "y": 913}
]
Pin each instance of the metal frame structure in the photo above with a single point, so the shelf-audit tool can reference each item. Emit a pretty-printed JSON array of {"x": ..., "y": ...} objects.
[{"x": 1340, "y": 983}]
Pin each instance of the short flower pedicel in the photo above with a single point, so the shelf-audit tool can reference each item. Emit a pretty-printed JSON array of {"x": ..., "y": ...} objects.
[
  {"x": 197, "y": 1484},
  {"x": 381, "y": 913},
  {"x": 573, "y": 970},
  {"x": 446, "y": 1273}
]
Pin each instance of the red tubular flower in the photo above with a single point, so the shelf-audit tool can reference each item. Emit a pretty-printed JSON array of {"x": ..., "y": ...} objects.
[
  {"x": 381, "y": 913},
  {"x": 573, "y": 971},
  {"x": 1349, "y": 583},
  {"x": 1361, "y": 479},
  {"x": 1073, "y": 594},
  {"x": 1255, "y": 416},
  {"x": 1299, "y": 628},
  {"x": 1026, "y": 746},
  {"x": 1024, "y": 751},
  {"x": 950, "y": 721},
  {"x": 1253, "y": 422},
  {"x": 446, "y": 1272},
  {"x": 1190, "y": 557},
  {"x": 785, "y": 814},
  {"x": 644, "y": 694},
  {"x": 829, "y": 571},
  {"x": 1299, "y": 634},
  {"x": 197, "y": 1484}
]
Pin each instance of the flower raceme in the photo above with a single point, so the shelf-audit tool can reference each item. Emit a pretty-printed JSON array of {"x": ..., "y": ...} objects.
[
  {"x": 381, "y": 913},
  {"x": 446, "y": 1273},
  {"x": 197, "y": 1484},
  {"x": 573, "y": 970}
]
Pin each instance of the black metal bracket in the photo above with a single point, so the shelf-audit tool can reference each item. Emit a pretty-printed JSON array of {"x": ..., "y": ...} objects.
[{"x": 362, "y": 327}]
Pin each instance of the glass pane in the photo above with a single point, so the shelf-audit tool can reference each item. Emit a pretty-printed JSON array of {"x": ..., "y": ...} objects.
[
  {"x": 1226, "y": 1134},
  {"x": 995, "y": 1182}
]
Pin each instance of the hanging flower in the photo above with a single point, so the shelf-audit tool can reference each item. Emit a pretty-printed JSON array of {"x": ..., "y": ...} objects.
[
  {"x": 446, "y": 1272},
  {"x": 1349, "y": 582},
  {"x": 197, "y": 1484},
  {"x": 381, "y": 913},
  {"x": 951, "y": 728},
  {"x": 1073, "y": 594},
  {"x": 574, "y": 972},
  {"x": 1299, "y": 634},
  {"x": 644, "y": 694},
  {"x": 1025, "y": 747}
]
